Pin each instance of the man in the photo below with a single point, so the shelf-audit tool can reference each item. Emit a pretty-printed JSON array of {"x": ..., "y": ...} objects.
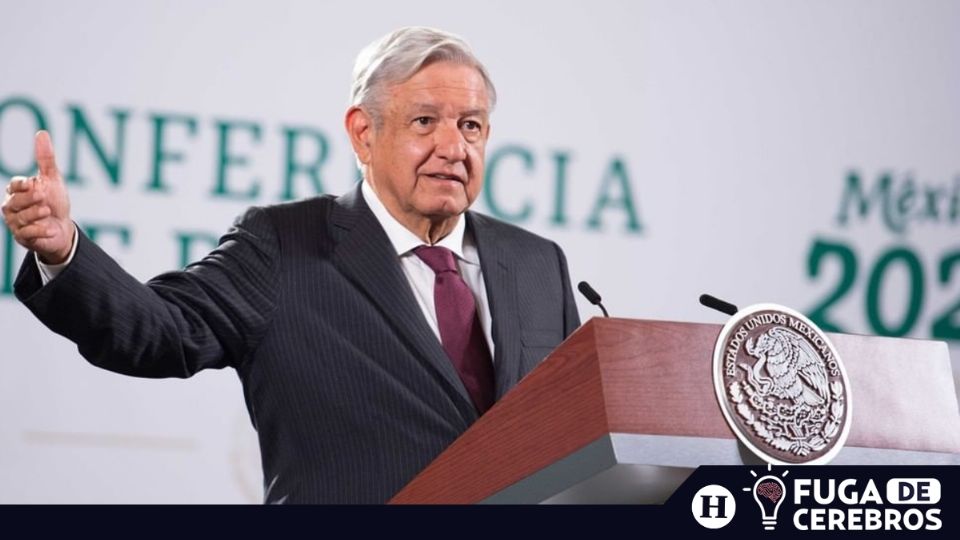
[{"x": 369, "y": 330}]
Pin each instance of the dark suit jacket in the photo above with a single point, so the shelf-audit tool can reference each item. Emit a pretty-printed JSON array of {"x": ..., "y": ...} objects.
[{"x": 348, "y": 388}]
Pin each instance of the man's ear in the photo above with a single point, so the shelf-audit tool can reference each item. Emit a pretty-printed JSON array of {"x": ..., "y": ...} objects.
[{"x": 359, "y": 126}]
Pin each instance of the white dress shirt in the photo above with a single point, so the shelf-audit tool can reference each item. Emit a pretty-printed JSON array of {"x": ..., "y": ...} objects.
[{"x": 421, "y": 277}]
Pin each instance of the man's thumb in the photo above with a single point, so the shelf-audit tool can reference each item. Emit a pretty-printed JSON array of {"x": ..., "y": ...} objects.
[{"x": 43, "y": 149}]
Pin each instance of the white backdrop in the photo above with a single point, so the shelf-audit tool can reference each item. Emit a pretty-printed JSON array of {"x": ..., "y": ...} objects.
[{"x": 699, "y": 147}]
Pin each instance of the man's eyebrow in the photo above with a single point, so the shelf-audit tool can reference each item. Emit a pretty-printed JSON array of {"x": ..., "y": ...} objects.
[
  {"x": 474, "y": 112},
  {"x": 419, "y": 107}
]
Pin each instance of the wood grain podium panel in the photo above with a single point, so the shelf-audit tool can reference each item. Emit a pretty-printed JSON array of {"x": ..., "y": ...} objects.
[
  {"x": 560, "y": 411},
  {"x": 657, "y": 377}
]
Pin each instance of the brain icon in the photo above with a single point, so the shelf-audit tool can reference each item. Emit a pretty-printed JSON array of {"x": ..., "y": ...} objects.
[{"x": 770, "y": 490}]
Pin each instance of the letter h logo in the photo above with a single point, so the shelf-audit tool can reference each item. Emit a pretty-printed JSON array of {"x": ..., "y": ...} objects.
[
  {"x": 713, "y": 506},
  {"x": 713, "y": 502}
]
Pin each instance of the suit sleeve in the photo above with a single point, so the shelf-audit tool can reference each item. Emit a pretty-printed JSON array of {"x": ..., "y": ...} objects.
[
  {"x": 571, "y": 317},
  {"x": 209, "y": 315}
]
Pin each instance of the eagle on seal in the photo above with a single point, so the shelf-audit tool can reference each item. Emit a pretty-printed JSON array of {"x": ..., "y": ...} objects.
[{"x": 788, "y": 367}]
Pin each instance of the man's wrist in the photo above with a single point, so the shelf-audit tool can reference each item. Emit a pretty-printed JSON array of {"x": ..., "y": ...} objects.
[
  {"x": 50, "y": 271},
  {"x": 55, "y": 260},
  {"x": 64, "y": 256}
]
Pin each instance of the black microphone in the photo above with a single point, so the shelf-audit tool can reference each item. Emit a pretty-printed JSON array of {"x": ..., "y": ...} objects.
[
  {"x": 718, "y": 304},
  {"x": 591, "y": 296}
]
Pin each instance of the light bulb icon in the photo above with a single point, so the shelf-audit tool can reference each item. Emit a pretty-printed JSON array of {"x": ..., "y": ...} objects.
[{"x": 769, "y": 493}]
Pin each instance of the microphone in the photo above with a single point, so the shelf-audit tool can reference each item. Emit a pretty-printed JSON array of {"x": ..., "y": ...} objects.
[
  {"x": 718, "y": 304},
  {"x": 591, "y": 295}
]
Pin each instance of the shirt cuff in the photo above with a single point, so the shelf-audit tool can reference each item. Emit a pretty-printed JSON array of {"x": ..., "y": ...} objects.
[{"x": 49, "y": 271}]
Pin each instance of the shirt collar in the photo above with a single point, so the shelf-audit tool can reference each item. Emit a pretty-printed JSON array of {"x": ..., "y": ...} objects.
[{"x": 404, "y": 241}]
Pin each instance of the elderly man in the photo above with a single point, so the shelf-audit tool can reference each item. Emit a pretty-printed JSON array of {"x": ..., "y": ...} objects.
[{"x": 369, "y": 330}]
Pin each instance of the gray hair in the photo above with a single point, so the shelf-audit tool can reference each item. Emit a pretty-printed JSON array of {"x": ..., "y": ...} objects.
[{"x": 399, "y": 55}]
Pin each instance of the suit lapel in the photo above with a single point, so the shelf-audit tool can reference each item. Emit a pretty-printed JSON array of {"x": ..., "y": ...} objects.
[
  {"x": 501, "y": 287},
  {"x": 365, "y": 255}
]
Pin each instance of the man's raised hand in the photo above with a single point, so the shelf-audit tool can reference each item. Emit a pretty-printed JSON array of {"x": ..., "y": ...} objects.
[{"x": 37, "y": 209}]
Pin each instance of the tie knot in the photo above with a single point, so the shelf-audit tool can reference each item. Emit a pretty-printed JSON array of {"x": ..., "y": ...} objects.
[{"x": 439, "y": 259}]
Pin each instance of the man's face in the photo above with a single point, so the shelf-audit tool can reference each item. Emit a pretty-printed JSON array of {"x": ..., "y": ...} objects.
[{"x": 426, "y": 159}]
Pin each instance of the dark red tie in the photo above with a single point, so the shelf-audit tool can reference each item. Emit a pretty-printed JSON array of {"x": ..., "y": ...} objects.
[{"x": 460, "y": 331}]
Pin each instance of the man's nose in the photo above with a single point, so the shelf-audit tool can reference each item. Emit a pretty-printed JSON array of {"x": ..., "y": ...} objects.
[{"x": 451, "y": 145}]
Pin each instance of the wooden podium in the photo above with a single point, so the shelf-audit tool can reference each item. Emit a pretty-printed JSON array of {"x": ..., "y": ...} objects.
[{"x": 624, "y": 410}]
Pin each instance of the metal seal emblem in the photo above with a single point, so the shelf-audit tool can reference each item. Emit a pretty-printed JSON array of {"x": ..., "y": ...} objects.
[{"x": 782, "y": 386}]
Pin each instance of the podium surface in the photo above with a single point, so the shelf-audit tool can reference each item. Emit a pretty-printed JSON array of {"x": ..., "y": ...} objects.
[{"x": 624, "y": 410}]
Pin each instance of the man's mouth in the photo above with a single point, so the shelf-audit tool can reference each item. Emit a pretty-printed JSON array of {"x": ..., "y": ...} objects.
[{"x": 444, "y": 176}]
